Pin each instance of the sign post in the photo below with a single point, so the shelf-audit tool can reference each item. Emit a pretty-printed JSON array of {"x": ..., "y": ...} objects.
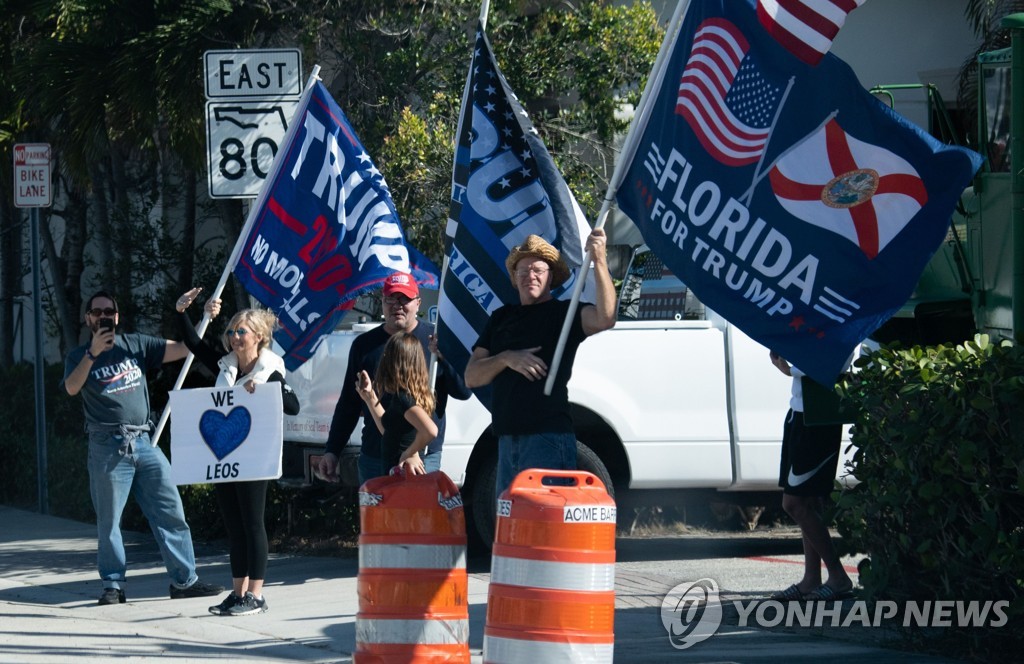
[
  {"x": 251, "y": 98},
  {"x": 32, "y": 189}
]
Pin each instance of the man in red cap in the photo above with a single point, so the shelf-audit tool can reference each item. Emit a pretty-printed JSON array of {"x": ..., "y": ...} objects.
[{"x": 401, "y": 305}]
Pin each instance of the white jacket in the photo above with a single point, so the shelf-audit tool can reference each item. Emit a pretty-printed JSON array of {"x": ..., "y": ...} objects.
[{"x": 266, "y": 364}]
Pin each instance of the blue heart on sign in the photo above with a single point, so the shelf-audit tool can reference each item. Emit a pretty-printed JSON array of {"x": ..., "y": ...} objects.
[{"x": 224, "y": 433}]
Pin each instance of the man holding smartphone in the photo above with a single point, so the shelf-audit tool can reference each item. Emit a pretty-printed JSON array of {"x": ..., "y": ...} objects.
[{"x": 110, "y": 373}]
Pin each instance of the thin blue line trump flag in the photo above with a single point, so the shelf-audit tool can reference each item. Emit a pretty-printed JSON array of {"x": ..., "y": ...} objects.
[
  {"x": 807, "y": 233},
  {"x": 326, "y": 233},
  {"x": 505, "y": 186}
]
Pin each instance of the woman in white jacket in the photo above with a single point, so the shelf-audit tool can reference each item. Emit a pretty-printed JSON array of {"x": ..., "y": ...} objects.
[{"x": 249, "y": 362}]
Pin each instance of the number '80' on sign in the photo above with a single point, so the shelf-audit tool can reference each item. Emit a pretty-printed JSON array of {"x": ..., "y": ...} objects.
[{"x": 242, "y": 140}]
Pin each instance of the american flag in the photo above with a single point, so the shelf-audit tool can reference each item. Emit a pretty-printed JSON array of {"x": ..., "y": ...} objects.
[
  {"x": 724, "y": 96},
  {"x": 505, "y": 186},
  {"x": 805, "y": 28}
]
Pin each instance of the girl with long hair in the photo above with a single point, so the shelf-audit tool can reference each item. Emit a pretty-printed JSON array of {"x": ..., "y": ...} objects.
[{"x": 401, "y": 402}]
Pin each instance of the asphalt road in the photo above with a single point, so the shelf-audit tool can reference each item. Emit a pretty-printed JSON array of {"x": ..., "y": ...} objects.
[{"x": 48, "y": 611}]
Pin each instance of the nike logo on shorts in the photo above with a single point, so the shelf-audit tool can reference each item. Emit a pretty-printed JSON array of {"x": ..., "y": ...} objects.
[{"x": 797, "y": 480}]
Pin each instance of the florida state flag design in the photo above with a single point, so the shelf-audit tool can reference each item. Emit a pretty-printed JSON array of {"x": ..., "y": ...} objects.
[{"x": 860, "y": 191}]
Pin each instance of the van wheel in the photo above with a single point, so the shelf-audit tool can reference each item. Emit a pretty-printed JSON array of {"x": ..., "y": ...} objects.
[
  {"x": 485, "y": 502},
  {"x": 587, "y": 459}
]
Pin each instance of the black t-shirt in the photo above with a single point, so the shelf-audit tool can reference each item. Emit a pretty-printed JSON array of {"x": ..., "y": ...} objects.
[
  {"x": 518, "y": 405},
  {"x": 398, "y": 433}
]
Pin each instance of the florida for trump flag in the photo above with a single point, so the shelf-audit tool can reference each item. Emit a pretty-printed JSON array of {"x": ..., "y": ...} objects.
[
  {"x": 813, "y": 245},
  {"x": 505, "y": 186},
  {"x": 325, "y": 231}
]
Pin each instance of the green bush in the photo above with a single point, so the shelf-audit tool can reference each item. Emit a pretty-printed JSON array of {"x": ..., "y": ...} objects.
[
  {"x": 940, "y": 459},
  {"x": 65, "y": 447}
]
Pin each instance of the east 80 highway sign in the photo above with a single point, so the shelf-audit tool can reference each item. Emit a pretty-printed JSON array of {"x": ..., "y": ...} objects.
[{"x": 242, "y": 139}]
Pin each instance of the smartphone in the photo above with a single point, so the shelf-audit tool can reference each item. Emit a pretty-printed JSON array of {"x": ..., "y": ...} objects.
[{"x": 106, "y": 324}]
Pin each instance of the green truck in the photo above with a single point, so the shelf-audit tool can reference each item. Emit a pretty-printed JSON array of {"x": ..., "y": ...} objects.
[{"x": 976, "y": 279}]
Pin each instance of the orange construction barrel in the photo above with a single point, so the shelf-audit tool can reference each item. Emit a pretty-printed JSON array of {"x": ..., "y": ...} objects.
[
  {"x": 552, "y": 591},
  {"x": 412, "y": 585}
]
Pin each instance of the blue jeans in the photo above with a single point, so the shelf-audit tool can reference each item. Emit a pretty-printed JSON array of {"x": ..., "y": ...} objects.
[
  {"x": 369, "y": 467},
  {"x": 554, "y": 451},
  {"x": 431, "y": 462},
  {"x": 117, "y": 468}
]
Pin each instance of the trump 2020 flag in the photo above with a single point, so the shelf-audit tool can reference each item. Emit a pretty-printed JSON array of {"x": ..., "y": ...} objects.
[
  {"x": 326, "y": 230},
  {"x": 225, "y": 434},
  {"x": 815, "y": 243},
  {"x": 505, "y": 186}
]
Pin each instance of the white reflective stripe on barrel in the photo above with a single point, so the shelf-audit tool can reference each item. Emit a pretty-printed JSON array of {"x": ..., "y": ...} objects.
[
  {"x": 437, "y": 632},
  {"x": 515, "y": 651},
  {"x": 552, "y": 575},
  {"x": 413, "y": 556}
]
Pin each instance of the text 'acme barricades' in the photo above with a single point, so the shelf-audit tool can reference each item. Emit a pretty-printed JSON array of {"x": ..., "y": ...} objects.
[
  {"x": 552, "y": 592},
  {"x": 413, "y": 588}
]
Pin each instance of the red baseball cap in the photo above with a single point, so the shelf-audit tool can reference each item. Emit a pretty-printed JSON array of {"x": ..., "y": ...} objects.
[{"x": 403, "y": 283}]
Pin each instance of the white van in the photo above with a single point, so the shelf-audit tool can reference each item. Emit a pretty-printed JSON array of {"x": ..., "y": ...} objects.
[{"x": 671, "y": 402}]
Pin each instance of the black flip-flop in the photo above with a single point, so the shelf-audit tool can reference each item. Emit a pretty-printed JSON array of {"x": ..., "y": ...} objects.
[
  {"x": 790, "y": 594},
  {"x": 826, "y": 593}
]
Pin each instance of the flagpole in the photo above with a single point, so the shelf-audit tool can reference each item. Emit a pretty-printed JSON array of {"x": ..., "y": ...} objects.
[
  {"x": 250, "y": 220},
  {"x": 745, "y": 199},
  {"x": 484, "y": 10},
  {"x": 749, "y": 194},
  {"x": 629, "y": 147}
]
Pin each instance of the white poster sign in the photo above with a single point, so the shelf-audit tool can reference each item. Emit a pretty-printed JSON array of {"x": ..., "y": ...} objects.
[{"x": 226, "y": 434}]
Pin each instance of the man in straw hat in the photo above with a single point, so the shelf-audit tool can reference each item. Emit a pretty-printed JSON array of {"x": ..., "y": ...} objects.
[{"x": 517, "y": 346}]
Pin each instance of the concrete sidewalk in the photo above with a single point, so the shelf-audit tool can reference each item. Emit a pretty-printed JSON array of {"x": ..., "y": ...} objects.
[{"x": 48, "y": 611}]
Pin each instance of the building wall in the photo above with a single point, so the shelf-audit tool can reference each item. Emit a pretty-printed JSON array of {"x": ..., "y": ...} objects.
[{"x": 907, "y": 41}]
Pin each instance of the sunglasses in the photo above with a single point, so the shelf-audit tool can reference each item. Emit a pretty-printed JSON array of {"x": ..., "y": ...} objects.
[
  {"x": 102, "y": 312},
  {"x": 240, "y": 332}
]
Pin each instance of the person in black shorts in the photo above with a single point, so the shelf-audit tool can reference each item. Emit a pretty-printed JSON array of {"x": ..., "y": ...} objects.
[{"x": 810, "y": 457}]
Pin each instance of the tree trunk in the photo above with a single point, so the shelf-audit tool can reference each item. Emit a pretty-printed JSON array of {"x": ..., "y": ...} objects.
[
  {"x": 231, "y": 218},
  {"x": 186, "y": 276},
  {"x": 104, "y": 236},
  {"x": 65, "y": 306},
  {"x": 123, "y": 235},
  {"x": 75, "y": 233}
]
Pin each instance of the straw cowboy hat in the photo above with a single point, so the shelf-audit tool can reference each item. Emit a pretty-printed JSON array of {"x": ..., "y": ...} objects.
[{"x": 536, "y": 247}]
